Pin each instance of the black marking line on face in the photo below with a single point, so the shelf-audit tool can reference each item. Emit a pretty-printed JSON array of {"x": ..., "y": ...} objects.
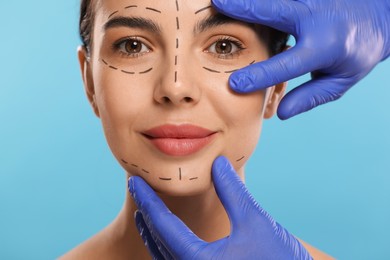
[
  {"x": 175, "y": 76},
  {"x": 211, "y": 70},
  {"x": 127, "y": 72},
  {"x": 146, "y": 71},
  {"x": 231, "y": 71},
  {"x": 134, "y": 165},
  {"x": 177, "y": 6},
  {"x": 131, "y": 6},
  {"x": 240, "y": 159},
  {"x": 111, "y": 15},
  {"x": 194, "y": 178},
  {"x": 154, "y": 10},
  {"x": 145, "y": 171},
  {"x": 179, "y": 173},
  {"x": 177, "y": 43},
  {"x": 124, "y": 161},
  {"x": 177, "y": 23},
  {"x": 165, "y": 179},
  {"x": 252, "y": 62},
  {"x": 175, "y": 60},
  {"x": 203, "y": 9}
]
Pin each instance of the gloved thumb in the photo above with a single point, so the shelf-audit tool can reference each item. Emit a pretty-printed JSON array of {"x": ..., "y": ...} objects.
[{"x": 232, "y": 192}]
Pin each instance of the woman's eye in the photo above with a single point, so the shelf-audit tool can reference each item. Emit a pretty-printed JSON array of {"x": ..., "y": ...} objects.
[
  {"x": 132, "y": 47},
  {"x": 225, "y": 48}
]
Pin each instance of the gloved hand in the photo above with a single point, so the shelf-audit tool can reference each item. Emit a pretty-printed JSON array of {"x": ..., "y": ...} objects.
[
  {"x": 338, "y": 41},
  {"x": 254, "y": 234}
]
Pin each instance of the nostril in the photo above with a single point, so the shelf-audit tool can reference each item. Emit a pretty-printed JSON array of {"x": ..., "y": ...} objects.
[
  {"x": 166, "y": 99},
  {"x": 188, "y": 99}
]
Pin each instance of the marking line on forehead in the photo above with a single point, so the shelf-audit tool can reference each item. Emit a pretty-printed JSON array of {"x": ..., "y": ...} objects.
[
  {"x": 203, "y": 9},
  {"x": 153, "y": 9},
  {"x": 131, "y": 6},
  {"x": 133, "y": 22},
  {"x": 113, "y": 14},
  {"x": 212, "y": 21}
]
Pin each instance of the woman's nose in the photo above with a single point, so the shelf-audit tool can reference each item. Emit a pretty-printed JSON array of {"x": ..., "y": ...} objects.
[{"x": 177, "y": 85}]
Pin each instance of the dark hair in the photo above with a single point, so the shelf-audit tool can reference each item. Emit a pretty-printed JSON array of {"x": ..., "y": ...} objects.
[
  {"x": 275, "y": 40},
  {"x": 87, "y": 18}
]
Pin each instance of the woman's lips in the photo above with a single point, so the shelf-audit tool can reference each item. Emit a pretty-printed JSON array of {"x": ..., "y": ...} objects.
[{"x": 179, "y": 140}]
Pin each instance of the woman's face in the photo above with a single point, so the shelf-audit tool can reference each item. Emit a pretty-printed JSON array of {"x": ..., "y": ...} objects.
[{"x": 158, "y": 79}]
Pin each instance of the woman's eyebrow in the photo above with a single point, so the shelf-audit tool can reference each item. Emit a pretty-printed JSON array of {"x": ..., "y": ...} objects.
[
  {"x": 213, "y": 21},
  {"x": 132, "y": 22}
]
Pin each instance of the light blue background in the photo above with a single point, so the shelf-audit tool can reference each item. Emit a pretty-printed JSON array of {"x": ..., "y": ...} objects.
[{"x": 324, "y": 175}]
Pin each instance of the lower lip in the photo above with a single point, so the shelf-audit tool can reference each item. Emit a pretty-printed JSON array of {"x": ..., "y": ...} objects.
[{"x": 181, "y": 147}]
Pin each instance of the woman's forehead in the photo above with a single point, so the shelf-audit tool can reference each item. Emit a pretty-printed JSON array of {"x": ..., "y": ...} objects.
[{"x": 166, "y": 6}]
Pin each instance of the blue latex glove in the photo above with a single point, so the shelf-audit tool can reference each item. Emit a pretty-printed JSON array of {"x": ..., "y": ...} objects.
[
  {"x": 254, "y": 234},
  {"x": 339, "y": 41}
]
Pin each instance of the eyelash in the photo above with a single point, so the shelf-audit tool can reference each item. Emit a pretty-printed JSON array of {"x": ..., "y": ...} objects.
[
  {"x": 237, "y": 43},
  {"x": 117, "y": 46}
]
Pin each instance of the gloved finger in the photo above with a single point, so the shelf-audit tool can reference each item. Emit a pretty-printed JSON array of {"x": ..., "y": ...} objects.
[
  {"x": 158, "y": 252},
  {"x": 235, "y": 197},
  {"x": 287, "y": 65},
  {"x": 278, "y": 14},
  {"x": 312, "y": 94},
  {"x": 177, "y": 238}
]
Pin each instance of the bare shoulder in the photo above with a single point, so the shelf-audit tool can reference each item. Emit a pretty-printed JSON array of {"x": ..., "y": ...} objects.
[{"x": 93, "y": 248}]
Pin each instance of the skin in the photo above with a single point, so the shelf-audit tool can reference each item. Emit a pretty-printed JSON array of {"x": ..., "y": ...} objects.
[{"x": 176, "y": 91}]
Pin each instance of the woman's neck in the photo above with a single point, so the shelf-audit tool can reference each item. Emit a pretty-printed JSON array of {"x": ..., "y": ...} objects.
[{"x": 203, "y": 214}]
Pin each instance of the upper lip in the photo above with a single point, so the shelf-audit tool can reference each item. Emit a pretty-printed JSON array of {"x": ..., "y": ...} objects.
[{"x": 185, "y": 131}]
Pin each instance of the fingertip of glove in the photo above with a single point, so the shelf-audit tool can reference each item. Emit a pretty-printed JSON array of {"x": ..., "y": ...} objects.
[{"x": 240, "y": 82}]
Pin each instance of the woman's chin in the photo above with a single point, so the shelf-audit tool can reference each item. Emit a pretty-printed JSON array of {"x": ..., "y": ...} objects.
[{"x": 184, "y": 178}]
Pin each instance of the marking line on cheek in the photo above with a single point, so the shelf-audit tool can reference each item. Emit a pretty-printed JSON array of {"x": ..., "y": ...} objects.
[
  {"x": 252, "y": 62},
  {"x": 145, "y": 171},
  {"x": 154, "y": 10},
  {"x": 230, "y": 71},
  {"x": 112, "y": 67},
  {"x": 165, "y": 179},
  {"x": 211, "y": 70},
  {"x": 105, "y": 62},
  {"x": 240, "y": 159},
  {"x": 175, "y": 76},
  {"x": 124, "y": 161},
  {"x": 127, "y": 72},
  {"x": 177, "y": 5},
  {"x": 146, "y": 71},
  {"x": 175, "y": 60},
  {"x": 177, "y": 23},
  {"x": 177, "y": 43},
  {"x": 195, "y": 178}
]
